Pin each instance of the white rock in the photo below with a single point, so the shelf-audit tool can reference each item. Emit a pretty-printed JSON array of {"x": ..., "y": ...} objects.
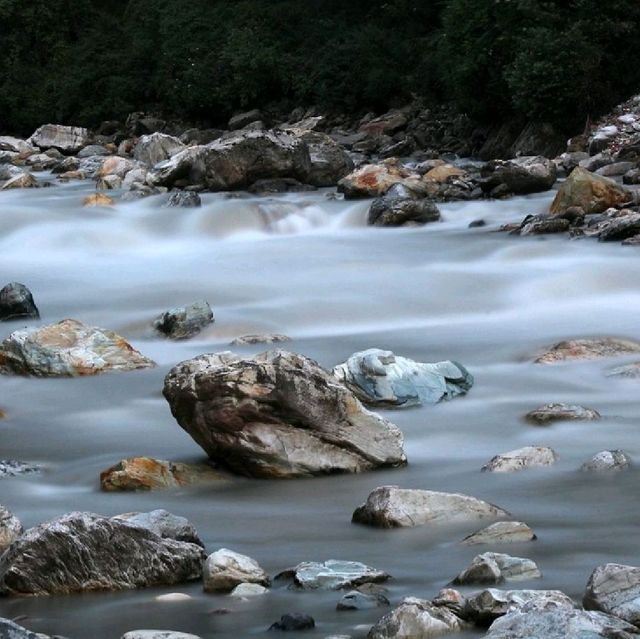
[
  {"x": 521, "y": 459},
  {"x": 502, "y": 532},
  {"x": 173, "y": 597},
  {"x": 226, "y": 569},
  {"x": 607, "y": 460},
  {"x": 68, "y": 139},
  {"x": 615, "y": 589},
  {"x": 333, "y": 575},
  {"x": 248, "y": 590}
]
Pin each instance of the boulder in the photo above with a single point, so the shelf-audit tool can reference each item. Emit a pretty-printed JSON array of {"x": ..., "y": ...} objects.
[
  {"x": 521, "y": 459},
  {"x": 374, "y": 180},
  {"x": 588, "y": 349},
  {"x": 543, "y": 225},
  {"x": 452, "y": 599},
  {"x": 16, "y": 302},
  {"x": 15, "y": 145},
  {"x": 93, "y": 149},
  {"x": 184, "y": 322},
  {"x": 356, "y": 600},
  {"x": 616, "y": 169},
  {"x": 266, "y": 338},
  {"x": 393, "y": 507},
  {"x": 521, "y": 176},
  {"x": 399, "y": 207},
  {"x": 158, "y": 634},
  {"x": 292, "y": 622},
  {"x": 495, "y": 568},
  {"x": 594, "y": 193},
  {"x": 631, "y": 177},
  {"x": 550, "y": 413},
  {"x": 163, "y": 524},
  {"x": 280, "y": 185},
  {"x": 607, "y": 460},
  {"x": 278, "y": 415},
  {"x": 68, "y": 349},
  {"x": 97, "y": 199},
  {"x": 20, "y": 181},
  {"x": 619, "y": 227},
  {"x": 13, "y": 468},
  {"x": 109, "y": 183},
  {"x": 615, "y": 589},
  {"x": 225, "y": 569},
  {"x": 332, "y": 575},
  {"x": 248, "y": 590},
  {"x": 145, "y": 473},
  {"x": 67, "y": 139},
  {"x": 9, "y": 171},
  {"x": 81, "y": 552},
  {"x": 139, "y": 123},
  {"x": 10, "y": 530},
  {"x": 11, "y": 630},
  {"x": 116, "y": 165},
  {"x": 380, "y": 378},
  {"x": 444, "y": 172},
  {"x": 183, "y": 199},
  {"x": 502, "y": 532},
  {"x": 41, "y": 162},
  {"x": 156, "y": 147},
  {"x": 241, "y": 120}
]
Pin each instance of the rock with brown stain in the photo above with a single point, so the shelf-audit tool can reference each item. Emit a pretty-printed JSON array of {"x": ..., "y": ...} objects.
[
  {"x": 588, "y": 349},
  {"x": 97, "y": 199},
  {"x": 374, "y": 180}
]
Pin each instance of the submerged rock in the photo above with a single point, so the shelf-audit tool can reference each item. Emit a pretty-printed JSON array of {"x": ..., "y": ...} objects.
[
  {"x": 67, "y": 139},
  {"x": 13, "y": 468},
  {"x": 294, "y": 621},
  {"x": 68, "y": 349},
  {"x": 183, "y": 199},
  {"x": 184, "y": 322},
  {"x": 615, "y": 589},
  {"x": 158, "y": 634},
  {"x": 16, "y": 302},
  {"x": 332, "y": 575},
  {"x": 248, "y": 590},
  {"x": 629, "y": 371},
  {"x": 561, "y": 412},
  {"x": 10, "y": 529},
  {"x": 97, "y": 199},
  {"x": 521, "y": 459},
  {"x": 399, "y": 207},
  {"x": 494, "y": 568},
  {"x": 587, "y": 349},
  {"x": 381, "y": 378},
  {"x": 81, "y": 552},
  {"x": 278, "y": 415},
  {"x": 225, "y": 569},
  {"x": 607, "y": 460},
  {"x": 502, "y": 532},
  {"x": 356, "y": 600},
  {"x": 393, "y": 507},
  {"x": 164, "y": 524},
  {"x": 267, "y": 338}
]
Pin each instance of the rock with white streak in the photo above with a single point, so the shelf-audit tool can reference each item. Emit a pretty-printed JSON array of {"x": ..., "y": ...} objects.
[
  {"x": 10, "y": 529},
  {"x": 226, "y": 569},
  {"x": 502, "y": 532},
  {"x": 67, "y": 139},
  {"x": 156, "y": 147},
  {"x": 332, "y": 575},
  {"x": 615, "y": 589},
  {"x": 521, "y": 459}
]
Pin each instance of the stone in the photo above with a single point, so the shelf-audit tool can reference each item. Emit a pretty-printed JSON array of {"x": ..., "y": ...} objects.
[
  {"x": 226, "y": 569},
  {"x": 240, "y": 120},
  {"x": 9, "y": 171},
  {"x": 607, "y": 460},
  {"x": 93, "y": 149},
  {"x": 356, "y": 600},
  {"x": 616, "y": 168},
  {"x": 502, "y": 532},
  {"x": 41, "y": 162},
  {"x": 10, "y": 529},
  {"x": 67, "y": 139},
  {"x": 139, "y": 123},
  {"x": 13, "y": 468},
  {"x": 521, "y": 459},
  {"x": 20, "y": 181},
  {"x": 417, "y": 619},
  {"x": 184, "y": 199},
  {"x": 184, "y": 322},
  {"x": 82, "y": 552},
  {"x": 158, "y": 634},
  {"x": 393, "y": 507},
  {"x": 16, "y": 302},
  {"x": 631, "y": 177},
  {"x": 248, "y": 590},
  {"x": 332, "y": 575},
  {"x": 15, "y": 145},
  {"x": 145, "y": 473},
  {"x": 11, "y": 630},
  {"x": 164, "y": 524},
  {"x": 293, "y": 622},
  {"x": 278, "y": 415},
  {"x": 587, "y": 349},
  {"x": 279, "y": 185},
  {"x": 629, "y": 371},
  {"x": 399, "y": 207},
  {"x": 549, "y": 413},
  {"x": 541, "y": 225},
  {"x": 174, "y": 597},
  {"x": 495, "y": 568},
  {"x": 380, "y": 378},
  {"x": 444, "y": 173},
  {"x": 615, "y": 589},
  {"x": 156, "y": 147},
  {"x": 521, "y": 176},
  {"x": 68, "y": 349},
  {"x": 452, "y": 599},
  {"x": 267, "y": 338},
  {"x": 374, "y": 180},
  {"x": 97, "y": 199},
  {"x": 109, "y": 183},
  {"x": 116, "y": 165},
  {"x": 619, "y": 227},
  {"x": 594, "y": 193}
]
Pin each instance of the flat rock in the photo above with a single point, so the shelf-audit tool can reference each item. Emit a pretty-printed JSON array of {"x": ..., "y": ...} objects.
[
  {"x": 356, "y": 600},
  {"x": 278, "y": 415},
  {"x": 607, "y": 460},
  {"x": 495, "y": 568},
  {"x": 226, "y": 569},
  {"x": 588, "y": 349},
  {"x": 164, "y": 524},
  {"x": 158, "y": 634},
  {"x": 502, "y": 532},
  {"x": 521, "y": 459},
  {"x": 615, "y": 589},
  {"x": 380, "y": 378},
  {"x": 68, "y": 139},
  {"x": 16, "y": 302},
  {"x": 332, "y": 575},
  {"x": 184, "y": 322},
  {"x": 266, "y": 338},
  {"x": 82, "y": 552},
  {"x": 68, "y": 349},
  {"x": 248, "y": 590},
  {"x": 550, "y": 413},
  {"x": 393, "y": 507},
  {"x": 10, "y": 529}
]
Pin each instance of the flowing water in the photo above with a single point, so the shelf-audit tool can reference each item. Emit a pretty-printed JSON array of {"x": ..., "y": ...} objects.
[{"x": 306, "y": 265}]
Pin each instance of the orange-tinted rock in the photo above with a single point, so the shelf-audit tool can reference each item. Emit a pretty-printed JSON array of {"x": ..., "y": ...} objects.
[
  {"x": 97, "y": 199},
  {"x": 443, "y": 172},
  {"x": 587, "y": 349},
  {"x": 374, "y": 180}
]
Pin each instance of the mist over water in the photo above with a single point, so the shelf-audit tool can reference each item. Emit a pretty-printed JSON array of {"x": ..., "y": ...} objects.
[{"x": 306, "y": 265}]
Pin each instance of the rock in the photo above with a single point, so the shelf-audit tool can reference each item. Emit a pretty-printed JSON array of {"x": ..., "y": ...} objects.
[
  {"x": 596, "y": 162},
  {"x": 10, "y": 530},
  {"x": 416, "y": 619},
  {"x": 393, "y": 507},
  {"x": 278, "y": 415},
  {"x": 68, "y": 349},
  {"x": 521, "y": 459},
  {"x": 13, "y": 468},
  {"x": 241, "y": 120},
  {"x": 267, "y": 338},
  {"x": 16, "y": 302},
  {"x": 550, "y": 413},
  {"x": 156, "y": 147},
  {"x": 588, "y": 349},
  {"x": 184, "y": 322},
  {"x": 8, "y": 172},
  {"x": 616, "y": 169},
  {"x": 158, "y": 634},
  {"x": 619, "y": 227},
  {"x": 41, "y": 162},
  {"x": 97, "y": 199},
  {"x": 225, "y": 569},
  {"x": 279, "y": 185},
  {"x": 607, "y": 460},
  {"x": 494, "y": 568},
  {"x": 630, "y": 371},
  {"x": 615, "y": 589},
  {"x": 294, "y": 621},
  {"x": 11, "y": 630},
  {"x": 143, "y": 123},
  {"x": 380, "y": 378},
  {"x": 399, "y": 207},
  {"x": 174, "y": 597},
  {"x": 356, "y": 600},
  {"x": 452, "y": 599},
  {"x": 116, "y": 165},
  {"x": 185, "y": 199},
  {"x": 82, "y": 552},
  {"x": 374, "y": 180},
  {"x": 163, "y": 524},
  {"x": 523, "y": 175},
  {"x": 502, "y": 532},
  {"x": 136, "y": 176},
  {"x": 109, "y": 183},
  {"x": 20, "y": 181},
  {"x": 631, "y": 177},
  {"x": 594, "y": 193},
  {"x": 332, "y": 575},
  {"x": 15, "y": 145},
  {"x": 68, "y": 139},
  {"x": 541, "y": 225},
  {"x": 91, "y": 166},
  {"x": 200, "y": 136},
  {"x": 93, "y": 149},
  {"x": 248, "y": 590},
  {"x": 144, "y": 473},
  {"x": 443, "y": 173}
]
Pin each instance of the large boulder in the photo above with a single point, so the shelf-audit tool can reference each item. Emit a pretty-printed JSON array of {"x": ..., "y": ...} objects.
[
  {"x": 588, "y": 349},
  {"x": 226, "y": 569},
  {"x": 10, "y": 529},
  {"x": 393, "y": 507},
  {"x": 332, "y": 575},
  {"x": 400, "y": 207},
  {"x": 494, "y": 568},
  {"x": 20, "y": 181},
  {"x": 68, "y": 349},
  {"x": 593, "y": 193},
  {"x": 520, "y": 176},
  {"x": 156, "y": 147},
  {"x": 81, "y": 552},
  {"x": 278, "y": 414},
  {"x": 116, "y": 165},
  {"x": 67, "y": 139},
  {"x": 615, "y": 589},
  {"x": 380, "y": 378},
  {"x": 16, "y": 302}
]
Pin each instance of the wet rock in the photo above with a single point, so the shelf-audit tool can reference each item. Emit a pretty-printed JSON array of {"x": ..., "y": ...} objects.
[
  {"x": 68, "y": 349},
  {"x": 156, "y": 147},
  {"x": 11, "y": 630},
  {"x": 144, "y": 473},
  {"x": 241, "y": 120},
  {"x": 374, "y": 180},
  {"x": 594, "y": 193},
  {"x": 20, "y": 181},
  {"x": 615, "y": 589},
  {"x": 185, "y": 199},
  {"x": 279, "y": 185},
  {"x": 13, "y": 468},
  {"x": 97, "y": 199},
  {"x": 278, "y": 415},
  {"x": 332, "y": 575},
  {"x": 16, "y": 302},
  {"x": 329, "y": 161},
  {"x": 267, "y": 338},
  {"x": 10, "y": 529},
  {"x": 588, "y": 349},
  {"x": 184, "y": 322},
  {"x": 399, "y": 207},
  {"x": 494, "y": 568},
  {"x": 67, "y": 139},
  {"x": 631, "y": 177},
  {"x": 15, "y": 145},
  {"x": 225, "y": 569},
  {"x": 109, "y": 183},
  {"x": 632, "y": 241},
  {"x": 521, "y": 459},
  {"x": 618, "y": 228},
  {"x": 452, "y": 599},
  {"x": 542, "y": 225},
  {"x": 616, "y": 168},
  {"x": 82, "y": 552},
  {"x": 158, "y": 634},
  {"x": 41, "y": 162},
  {"x": 502, "y": 532},
  {"x": 444, "y": 172},
  {"x": 607, "y": 460},
  {"x": 630, "y": 371},
  {"x": 523, "y": 175},
  {"x": 116, "y": 165},
  {"x": 417, "y": 619},
  {"x": 356, "y": 600},
  {"x": 248, "y": 590},
  {"x": 294, "y": 621},
  {"x": 558, "y": 412},
  {"x": 393, "y": 507},
  {"x": 164, "y": 524},
  {"x": 477, "y": 224},
  {"x": 380, "y": 378},
  {"x": 8, "y": 172}
]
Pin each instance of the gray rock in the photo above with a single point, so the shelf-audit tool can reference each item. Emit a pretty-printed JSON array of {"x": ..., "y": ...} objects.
[
  {"x": 248, "y": 590},
  {"x": 156, "y": 147},
  {"x": 164, "y": 524},
  {"x": 91, "y": 167},
  {"x": 494, "y": 568},
  {"x": 629, "y": 371},
  {"x": 615, "y": 589},
  {"x": 393, "y": 507},
  {"x": 16, "y": 302},
  {"x": 543, "y": 225},
  {"x": 158, "y": 634},
  {"x": 278, "y": 415},
  {"x": 15, "y": 145},
  {"x": 615, "y": 169},
  {"x": 240, "y": 120},
  {"x": 8, "y": 172},
  {"x": 521, "y": 459},
  {"x": 279, "y": 185},
  {"x": 10, "y": 529},
  {"x": 267, "y": 338},
  {"x": 82, "y": 552},
  {"x": 502, "y": 532},
  {"x": 550, "y": 413},
  {"x": 400, "y": 207},
  {"x": 184, "y": 322},
  {"x": 68, "y": 139},
  {"x": 631, "y": 177},
  {"x": 619, "y": 227},
  {"x": 607, "y": 460},
  {"x": 68, "y": 349},
  {"x": 93, "y": 149},
  {"x": 356, "y": 600},
  {"x": 452, "y": 599},
  {"x": 332, "y": 575},
  {"x": 293, "y": 622},
  {"x": 11, "y": 630},
  {"x": 41, "y": 162},
  {"x": 588, "y": 349},
  {"x": 226, "y": 569},
  {"x": 13, "y": 468},
  {"x": 523, "y": 175},
  {"x": 185, "y": 199},
  {"x": 380, "y": 378}
]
